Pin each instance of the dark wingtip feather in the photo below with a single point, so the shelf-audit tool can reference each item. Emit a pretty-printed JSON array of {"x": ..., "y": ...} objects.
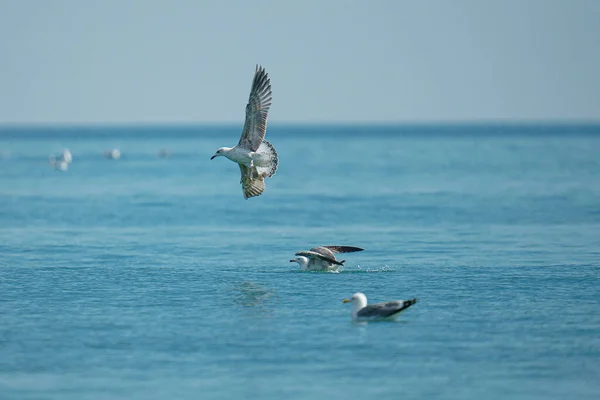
[
  {"x": 408, "y": 303},
  {"x": 344, "y": 249}
]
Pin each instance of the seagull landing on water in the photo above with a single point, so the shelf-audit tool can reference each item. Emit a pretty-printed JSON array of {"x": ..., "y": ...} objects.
[
  {"x": 256, "y": 157},
  {"x": 322, "y": 258},
  {"x": 380, "y": 311}
]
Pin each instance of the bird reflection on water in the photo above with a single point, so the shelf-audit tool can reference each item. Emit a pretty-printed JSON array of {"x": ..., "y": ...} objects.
[{"x": 249, "y": 294}]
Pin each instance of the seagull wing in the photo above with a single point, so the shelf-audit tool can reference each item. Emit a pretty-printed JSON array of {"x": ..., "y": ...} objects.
[
  {"x": 318, "y": 256},
  {"x": 324, "y": 251},
  {"x": 257, "y": 108},
  {"x": 341, "y": 249},
  {"x": 251, "y": 187},
  {"x": 384, "y": 310}
]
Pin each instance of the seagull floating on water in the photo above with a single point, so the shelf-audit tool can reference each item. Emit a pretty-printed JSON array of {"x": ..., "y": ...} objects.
[
  {"x": 58, "y": 163},
  {"x": 61, "y": 162},
  {"x": 113, "y": 154},
  {"x": 67, "y": 156},
  {"x": 256, "y": 157},
  {"x": 164, "y": 153},
  {"x": 322, "y": 258},
  {"x": 380, "y": 311}
]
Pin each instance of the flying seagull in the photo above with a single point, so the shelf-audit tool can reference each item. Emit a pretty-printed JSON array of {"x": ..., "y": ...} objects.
[
  {"x": 322, "y": 258},
  {"x": 256, "y": 157},
  {"x": 388, "y": 310}
]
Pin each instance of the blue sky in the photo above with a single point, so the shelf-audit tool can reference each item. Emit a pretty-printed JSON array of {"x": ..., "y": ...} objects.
[{"x": 147, "y": 61}]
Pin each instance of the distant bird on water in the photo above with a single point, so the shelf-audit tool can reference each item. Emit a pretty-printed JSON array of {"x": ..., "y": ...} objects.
[
  {"x": 164, "y": 153},
  {"x": 322, "y": 258},
  {"x": 61, "y": 162},
  {"x": 113, "y": 154},
  {"x": 256, "y": 157}
]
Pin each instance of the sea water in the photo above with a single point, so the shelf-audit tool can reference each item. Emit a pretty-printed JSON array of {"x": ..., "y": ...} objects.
[{"x": 151, "y": 277}]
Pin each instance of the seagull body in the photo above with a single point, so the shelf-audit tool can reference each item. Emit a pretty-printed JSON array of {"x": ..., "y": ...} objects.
[
  {"x": 256, "y": 157},
  {"x": 113, "y": 154},
  {"x": 58, "y": 164},
  {"x": 67, "y": 156},
  {"x": 61, "y": 162},
  {"x": 164, "y": 153},
  {"x": 380, "y": 311},
  {"x": 322, "y": 258}
]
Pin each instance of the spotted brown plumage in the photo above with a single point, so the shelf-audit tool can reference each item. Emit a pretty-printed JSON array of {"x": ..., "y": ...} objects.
[{"x": 251, "y": 185}]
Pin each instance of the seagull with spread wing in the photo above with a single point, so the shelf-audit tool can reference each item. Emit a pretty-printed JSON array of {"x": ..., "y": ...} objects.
[
  {"x": 388, "y": 310},
  {"x": 256, "y": 157},
  {"x": 322, "y": 258}
]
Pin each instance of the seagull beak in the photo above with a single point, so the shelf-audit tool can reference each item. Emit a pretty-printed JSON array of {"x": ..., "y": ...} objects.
[
  {"x": 292, "y": 260},
  {"x": 346, "y": 301},
  {"x": 213, "y": 157}
]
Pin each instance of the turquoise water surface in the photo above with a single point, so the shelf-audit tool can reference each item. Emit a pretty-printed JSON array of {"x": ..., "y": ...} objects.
[{"x": 152, "y": 278}]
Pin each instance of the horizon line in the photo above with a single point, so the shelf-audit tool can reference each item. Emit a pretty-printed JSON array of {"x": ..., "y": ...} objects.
[{"x": 190, "y": 124}]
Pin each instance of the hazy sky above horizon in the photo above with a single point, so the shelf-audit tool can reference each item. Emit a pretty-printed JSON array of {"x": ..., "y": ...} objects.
[{"x": 118, "y": 61}]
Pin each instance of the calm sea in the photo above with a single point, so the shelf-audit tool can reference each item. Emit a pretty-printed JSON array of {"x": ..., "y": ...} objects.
[{"x": 152, "y": 278}]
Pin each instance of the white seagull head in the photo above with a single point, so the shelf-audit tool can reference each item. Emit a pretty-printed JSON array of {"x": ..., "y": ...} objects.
[
  {"x": 358, "y": 300},
  {"x": 302, "y": 261},
  {"x": 223, "y": 151}
]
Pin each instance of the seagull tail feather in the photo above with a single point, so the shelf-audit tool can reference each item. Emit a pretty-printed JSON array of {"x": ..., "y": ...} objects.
[{"x": 267, "y": 150}]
